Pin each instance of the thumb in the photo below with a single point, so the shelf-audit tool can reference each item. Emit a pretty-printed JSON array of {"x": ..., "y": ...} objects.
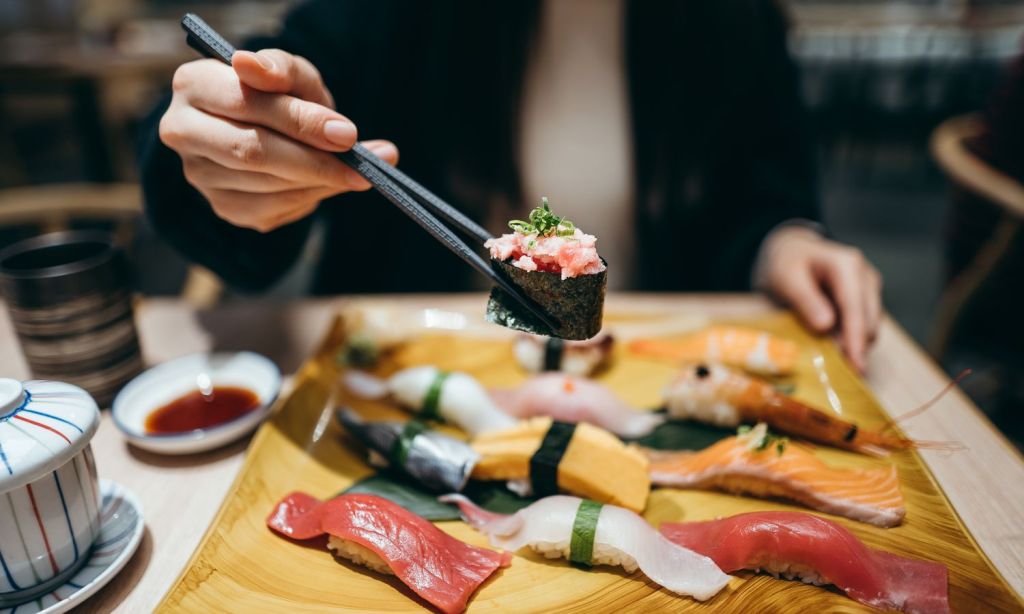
[
  {"x": 801, "y": 291},
  {"x": 280, "y": 72}
]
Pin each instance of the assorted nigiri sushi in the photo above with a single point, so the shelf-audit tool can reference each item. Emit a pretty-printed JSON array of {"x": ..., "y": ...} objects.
[
  {"x": 434, "y": 460},
  {"x": 540, "y": 457},
  {"x": 740, "y": 347},
  {"x": 574, "y": 399},
  {"x": 580, "y": 358},
  {"x": 389, "y": 539},
  {"x": 756, "y": 464},
  {"x": 588, "y": 533},
  {"x": 435, "y": 394},
  {"x": 817, "y": 551},
  {"x": 721, "y": 396},
  {"x": 557, "y": 266}
]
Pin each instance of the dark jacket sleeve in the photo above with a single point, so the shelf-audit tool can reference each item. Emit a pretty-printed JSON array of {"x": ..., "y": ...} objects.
[
  {"x": 245, "y": 259},
  {"x": 773, "y": 145}
]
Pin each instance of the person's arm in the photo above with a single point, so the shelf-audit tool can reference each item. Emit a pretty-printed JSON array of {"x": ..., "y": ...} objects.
[
  {"x": 831, "y": 286},
  {"x": 237, "y": 160}
]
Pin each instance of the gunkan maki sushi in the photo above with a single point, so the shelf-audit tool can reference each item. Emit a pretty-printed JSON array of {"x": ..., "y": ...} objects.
[{"x": 557, "y": 265}]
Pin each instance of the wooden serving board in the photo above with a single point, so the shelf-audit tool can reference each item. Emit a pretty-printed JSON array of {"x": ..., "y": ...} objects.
[{"x": 242, "y": 566}]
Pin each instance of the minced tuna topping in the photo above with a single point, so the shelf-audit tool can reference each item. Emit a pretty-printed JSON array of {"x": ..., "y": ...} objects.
[{"x": 547, "y": 243}]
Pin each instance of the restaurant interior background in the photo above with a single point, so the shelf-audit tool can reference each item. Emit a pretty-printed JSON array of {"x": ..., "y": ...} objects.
[{"x": 879, "y": 77}]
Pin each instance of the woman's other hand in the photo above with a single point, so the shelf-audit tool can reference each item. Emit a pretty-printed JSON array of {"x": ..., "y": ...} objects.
[
  {"x": 255, "y": 137},
  {"x": 830, "y": 285}
]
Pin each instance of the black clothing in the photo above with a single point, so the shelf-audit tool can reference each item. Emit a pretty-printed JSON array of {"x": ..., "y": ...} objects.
[{"x": 721, "y": 148}]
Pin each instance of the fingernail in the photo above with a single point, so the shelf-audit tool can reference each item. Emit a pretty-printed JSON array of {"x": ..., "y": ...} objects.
[
  {"x": 265, "y": 62},
  {"x": 340, "y": 133},
  {"x": 382, "y": 150}
]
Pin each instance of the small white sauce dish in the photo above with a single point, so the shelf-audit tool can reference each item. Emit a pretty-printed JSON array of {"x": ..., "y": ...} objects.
[{"x": 169, "y": 381}]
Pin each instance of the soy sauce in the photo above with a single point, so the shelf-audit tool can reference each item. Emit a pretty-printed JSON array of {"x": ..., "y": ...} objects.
[{"x": 198, "y": 411}]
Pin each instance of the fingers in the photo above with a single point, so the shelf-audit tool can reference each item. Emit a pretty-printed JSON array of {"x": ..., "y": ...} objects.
[
  {"x": 873, "y": 302},
  {"x": 202, "y": 171},
  {"x": 273, "y": 70},
  {"x": 843, "y": 275},
  {"x": 306, "y": 121},
  {"x": 265, "y": 212},
  {"x": 254, "y": 149},
  {"x": 798, "y": 288}
]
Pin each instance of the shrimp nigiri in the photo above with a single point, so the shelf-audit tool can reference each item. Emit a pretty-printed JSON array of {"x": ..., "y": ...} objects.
[
  {"x": 572, "y": 399},
  {"x": 817, "y": 551},
  {"x": 594, "y": 534},
  {"x": 435, "y": 394},
  {"x": 724, "y": 397},
  {"x": 744, "y": 348},
  {"x": 755, "y": 463}
]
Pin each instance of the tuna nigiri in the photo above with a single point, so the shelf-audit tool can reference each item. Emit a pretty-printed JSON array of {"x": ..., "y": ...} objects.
[
  {"x": 435, "y": 394},
  {"x": 593, "y": 534},
  {"x": 753, "y": 464},
  {"x": 573, "y": 399},
  {"x": 817, "y": 551},
  {"x": 719, "y": 395},
  {"x": 744, "y": 348},
  {"x": 389, "y": 539},
  {"x": 580, "y": 358}
]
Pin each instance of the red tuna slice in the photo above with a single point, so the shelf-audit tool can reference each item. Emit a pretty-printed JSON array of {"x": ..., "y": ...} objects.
[
  {"x": 439, "y": 568},
  {"x": 872, "y": 577}
]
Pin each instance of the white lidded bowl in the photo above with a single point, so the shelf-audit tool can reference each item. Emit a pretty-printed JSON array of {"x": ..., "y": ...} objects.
[
  {"x": 166, "y": 382},
  {"x": 49, "y": 493}
]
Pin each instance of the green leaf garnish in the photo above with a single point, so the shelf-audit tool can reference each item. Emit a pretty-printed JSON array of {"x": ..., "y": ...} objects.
[
  {"x": 759, "y": 438},
  {"x": 543, "y": 223}
]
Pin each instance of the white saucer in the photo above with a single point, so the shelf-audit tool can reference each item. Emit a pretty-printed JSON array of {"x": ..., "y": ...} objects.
[
  {"x": 171, "y": 380},
  {"x": 121, "y": 529}
]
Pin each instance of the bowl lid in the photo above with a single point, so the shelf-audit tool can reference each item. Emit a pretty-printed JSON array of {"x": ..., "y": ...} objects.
[{"x": 42, "y": 425}]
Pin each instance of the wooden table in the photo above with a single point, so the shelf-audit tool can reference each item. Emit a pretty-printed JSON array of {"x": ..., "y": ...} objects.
[{"x": 985, "y": 482}]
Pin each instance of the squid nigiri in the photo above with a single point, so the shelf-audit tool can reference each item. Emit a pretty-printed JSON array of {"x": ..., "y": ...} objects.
[
  {"x": 744, "y": 348},
  {"x": 816, "y": 551},
  {"x": 389, "y": 539},
  {"x": 579, "y": 358},
  {"x": 589, "y": 533},
  {"x": 435, "y": 394},
  {"x": 724, "y": 397},
  {"x": 573, "y": 399},
  {"x": 756, "y": 464}
]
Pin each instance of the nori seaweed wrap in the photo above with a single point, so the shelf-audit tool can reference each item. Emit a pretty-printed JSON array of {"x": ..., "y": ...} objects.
[
  {"x": 557, "y": 266},
  {"x": 576, "y": 302}
]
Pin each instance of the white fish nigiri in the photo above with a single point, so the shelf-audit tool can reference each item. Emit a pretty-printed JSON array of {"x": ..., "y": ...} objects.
[
  {"x": 573, "y": 399},
  {"x": 580, "y": 358},
  {"x": 457, "y": 397},
  {"x": 621, "y": 537}
]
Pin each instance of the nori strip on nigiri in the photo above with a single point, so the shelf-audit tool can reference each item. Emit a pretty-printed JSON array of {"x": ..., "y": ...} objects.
[
  {"x": 434, "y": 460},
  {"x": 557, "y": 266}
]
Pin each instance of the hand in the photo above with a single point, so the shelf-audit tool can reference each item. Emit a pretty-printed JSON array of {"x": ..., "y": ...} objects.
[
  {"x": 254, "y": 137},
  {"x": 830, "y": 285}
]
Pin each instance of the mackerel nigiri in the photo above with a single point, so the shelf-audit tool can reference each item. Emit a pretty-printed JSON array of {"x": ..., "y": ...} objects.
[
  {"x": 751, "y": 464},
  {"x": 435, "y": 394},
  {"x": 573, "y": 399},
  {"x": 434, "y": 460},
  {"x": 389, "y": 539},
  {"x": 588, "y": 533},
  {"x": 817, "y": 551}
]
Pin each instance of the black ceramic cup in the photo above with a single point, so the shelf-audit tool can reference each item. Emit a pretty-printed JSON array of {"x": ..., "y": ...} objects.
[{"x": 69, "y": 297}]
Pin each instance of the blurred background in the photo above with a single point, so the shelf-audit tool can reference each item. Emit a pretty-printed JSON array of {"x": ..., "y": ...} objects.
[{"x": 889, "y": 86}]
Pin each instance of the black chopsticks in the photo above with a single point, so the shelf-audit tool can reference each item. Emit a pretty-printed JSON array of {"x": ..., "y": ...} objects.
[{"x": 412, "y": 198}]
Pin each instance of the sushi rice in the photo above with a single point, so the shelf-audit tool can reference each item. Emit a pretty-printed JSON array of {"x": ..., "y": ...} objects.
[{"x": 361, "y": 555}]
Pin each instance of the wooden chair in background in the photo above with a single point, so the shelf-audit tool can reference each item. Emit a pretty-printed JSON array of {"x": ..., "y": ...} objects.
[
  {"x": 53, "y": 207},
  {"x": 975, "y": 177}
]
